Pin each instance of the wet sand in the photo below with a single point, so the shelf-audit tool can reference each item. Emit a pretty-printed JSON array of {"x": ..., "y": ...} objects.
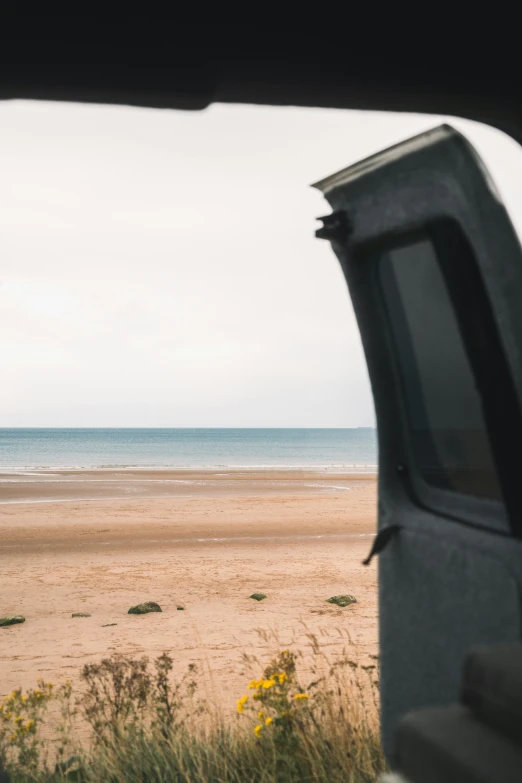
[{"x": 205, "y": 545}]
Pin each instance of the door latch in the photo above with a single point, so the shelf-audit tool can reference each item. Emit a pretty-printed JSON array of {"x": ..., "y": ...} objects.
[{"x": 336, "y": 227}]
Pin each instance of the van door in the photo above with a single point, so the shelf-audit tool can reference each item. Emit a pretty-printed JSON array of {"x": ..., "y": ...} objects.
[{"x": 434, "y": 269}]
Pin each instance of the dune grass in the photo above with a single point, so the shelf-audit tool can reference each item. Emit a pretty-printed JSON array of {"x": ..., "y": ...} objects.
[{"x": 305, "y": 718}]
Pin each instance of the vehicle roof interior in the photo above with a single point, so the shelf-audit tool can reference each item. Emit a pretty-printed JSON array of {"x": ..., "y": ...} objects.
[{"x": 145, "y": 62}]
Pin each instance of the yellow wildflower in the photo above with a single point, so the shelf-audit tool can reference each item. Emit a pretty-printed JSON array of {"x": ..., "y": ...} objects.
[
  {"x": 269, "y": 721},
  {"x": 254, "y": 684},
  {"x": 261, "y": 714},
  {"x": 18, "y": 720},
  {"x": 29, "y": 725},
  {"x": 266, "y": 684},
  {"x": 24, "y": 698},
  {"x": 241, "y": 703},
  {"x": 258, "y": 729},
  {"x": 300, "y": 696},
  {"x": 282, "y": 677}
]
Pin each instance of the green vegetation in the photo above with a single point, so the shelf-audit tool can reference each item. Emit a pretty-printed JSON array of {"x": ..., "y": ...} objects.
[
  {"x": 12, "y": 620},
  {"x": 342, "y": 600},
  {"x": 145, "y": 726},
  {"x": 258, "y": 596},
  {"x": 148, "y": 606}
]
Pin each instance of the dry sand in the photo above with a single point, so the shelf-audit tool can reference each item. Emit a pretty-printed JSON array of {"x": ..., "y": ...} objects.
[{"x": 204, "y": 540}]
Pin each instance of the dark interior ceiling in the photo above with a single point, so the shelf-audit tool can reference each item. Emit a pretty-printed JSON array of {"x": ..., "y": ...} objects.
[{"x": 171, "y": 65}]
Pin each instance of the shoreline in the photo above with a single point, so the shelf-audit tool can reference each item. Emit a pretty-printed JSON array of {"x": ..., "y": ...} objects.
[
  {"x": 203, "y": 514},
  {"x": 75, "y": 486},
  {"x": 361, "y": 470}
]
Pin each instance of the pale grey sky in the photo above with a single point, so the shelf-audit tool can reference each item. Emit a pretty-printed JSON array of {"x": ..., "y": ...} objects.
[{"x": 159, "y": 268}]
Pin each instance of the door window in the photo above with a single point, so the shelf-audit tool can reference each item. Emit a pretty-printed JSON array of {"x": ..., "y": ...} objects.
[{"x": 449, "y": 436}]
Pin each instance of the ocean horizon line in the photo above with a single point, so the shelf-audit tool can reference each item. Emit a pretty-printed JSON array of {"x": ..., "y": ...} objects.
[
  {"x": 144, "y": 427},
  {"x": 187, "y": 447}
]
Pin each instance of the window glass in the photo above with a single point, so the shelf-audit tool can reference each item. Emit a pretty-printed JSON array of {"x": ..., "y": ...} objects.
[{"x": 450, "y": 440}]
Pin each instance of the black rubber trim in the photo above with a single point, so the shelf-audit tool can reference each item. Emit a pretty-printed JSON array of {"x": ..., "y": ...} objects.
[
  {"x": 416, "y": 500},
  {"x": 486, "y": 355}
]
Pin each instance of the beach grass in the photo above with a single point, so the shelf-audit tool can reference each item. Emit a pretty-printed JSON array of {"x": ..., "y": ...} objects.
[{"x": 300, "y": 718}]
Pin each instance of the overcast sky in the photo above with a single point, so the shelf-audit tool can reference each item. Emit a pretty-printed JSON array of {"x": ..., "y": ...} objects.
[{"x": 159, "y": 268}]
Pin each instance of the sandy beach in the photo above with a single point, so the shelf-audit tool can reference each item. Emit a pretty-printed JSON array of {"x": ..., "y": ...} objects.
[{"x": 101, "y": 541}]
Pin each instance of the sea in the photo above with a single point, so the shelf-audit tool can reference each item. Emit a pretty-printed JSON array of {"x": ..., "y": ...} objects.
[{"x": 40, "y": 448}]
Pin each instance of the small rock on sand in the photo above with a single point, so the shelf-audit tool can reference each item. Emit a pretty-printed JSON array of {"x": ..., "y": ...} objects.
[
  {"x": 80, "y": 614},
  {"x": 14, "y": 620},
  {"x": 108, "y": 625},
  {"x": 148, "y": 606},
  {"x": 342, "y": 600},
  {"x": 258, "y": 596}
]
